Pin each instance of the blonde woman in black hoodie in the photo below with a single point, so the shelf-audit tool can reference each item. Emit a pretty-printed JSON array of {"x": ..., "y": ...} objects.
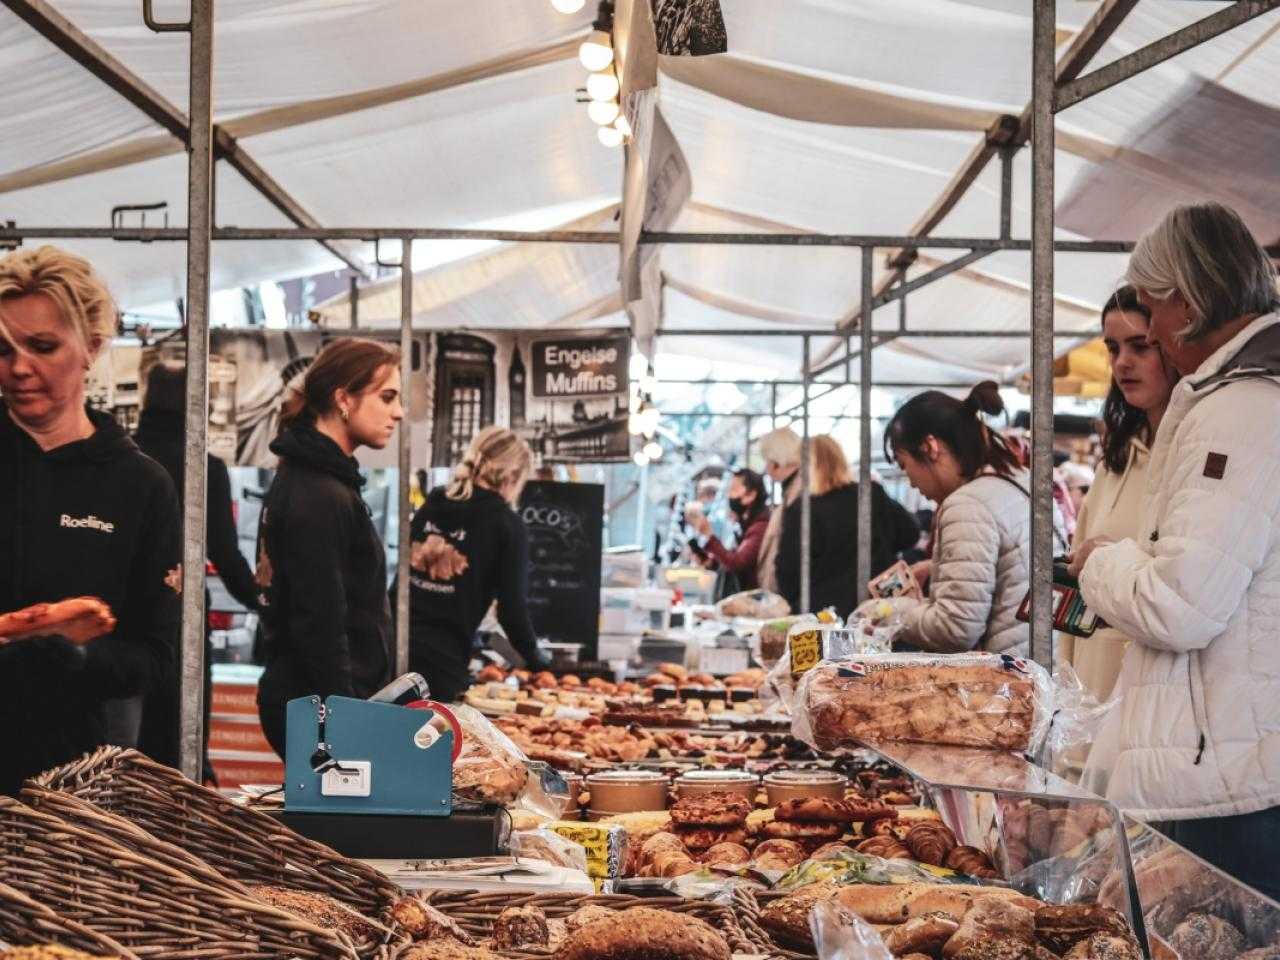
[
  {"x": 470, "y": 549},
  {"x": 85, "y": 513},
  {"x": 322, "y": 568}
]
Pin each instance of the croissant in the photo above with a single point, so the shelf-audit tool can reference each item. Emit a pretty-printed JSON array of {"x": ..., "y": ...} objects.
[
  {"x": 970, "y": 861},
  {"x": 890, "y": 848},
  {"x": 930, "y": 842},
  {"x": 885, "y": 828}
]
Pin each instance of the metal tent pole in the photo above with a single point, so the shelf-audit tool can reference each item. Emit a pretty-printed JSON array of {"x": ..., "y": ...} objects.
[
  {"x": 864, "y": 570},
  {"x": 406, "y": 466},
  {"x": 199, "y": 224},
  {"x": 806, "y": 504},
  {"x": 1042, "y": 144}
]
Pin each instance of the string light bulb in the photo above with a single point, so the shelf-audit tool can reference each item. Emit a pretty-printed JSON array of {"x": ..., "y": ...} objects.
[
  {"x": 653, "y": 450},
  {"x": 640, "y": 459},
  {"x": 603, "y": 112},
  {"x": 603, "y": 86},
  {"x": 609, "y": 136},
  {"x": 568, "y": 6},
  {"x": 624, "y": 127},
  {"x": 596, "y": 52}
]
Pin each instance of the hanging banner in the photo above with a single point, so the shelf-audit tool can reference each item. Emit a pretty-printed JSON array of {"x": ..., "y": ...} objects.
[{"x": 689, "y": 28}]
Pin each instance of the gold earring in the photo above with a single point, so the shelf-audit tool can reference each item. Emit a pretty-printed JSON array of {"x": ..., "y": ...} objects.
[{"x": 345, "y": 415}]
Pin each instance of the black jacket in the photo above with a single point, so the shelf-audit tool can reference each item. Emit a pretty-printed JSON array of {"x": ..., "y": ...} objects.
[
  {"x": 445, "y": 613},
  {"x": 162, "y": 436},
  {"x": 326, "y": 620},
  {"x": 833, "y": 530},
  {"x": 91, "y": 518}
]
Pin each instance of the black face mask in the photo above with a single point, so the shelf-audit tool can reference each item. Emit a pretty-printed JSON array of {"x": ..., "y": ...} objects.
[{"x": 737, "y": 506}]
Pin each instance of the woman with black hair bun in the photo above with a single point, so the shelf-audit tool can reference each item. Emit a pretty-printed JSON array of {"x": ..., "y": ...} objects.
[
  {"x": 982, "y": 547},
  {"x": 1142, "y": 381}
]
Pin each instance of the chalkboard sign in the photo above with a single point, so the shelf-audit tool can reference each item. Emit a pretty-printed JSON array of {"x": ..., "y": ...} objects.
[{"x": 566, "y": 526}]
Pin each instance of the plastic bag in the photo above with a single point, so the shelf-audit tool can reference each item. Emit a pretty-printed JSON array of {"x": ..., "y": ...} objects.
[
  {"x": 490, "y": 768},
  {"x": 840, "y": 934},
  {"x": 1073, "y": 727},
  {"x": 984, "y": 700},
  {"x": 754, "y": 605},
  {"x": 875, "y": 627},
  {"x": 549, "y": 847},
  {"x": 769, "y": 643}
]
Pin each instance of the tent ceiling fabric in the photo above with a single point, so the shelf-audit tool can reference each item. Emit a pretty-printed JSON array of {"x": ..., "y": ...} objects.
[{"x": 467, "y": 117}]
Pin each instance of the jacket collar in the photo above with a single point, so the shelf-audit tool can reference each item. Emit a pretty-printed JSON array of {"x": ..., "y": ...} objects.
[
  {"x": 1252, "y": 353},
  {"x": 304, "y": 444}
]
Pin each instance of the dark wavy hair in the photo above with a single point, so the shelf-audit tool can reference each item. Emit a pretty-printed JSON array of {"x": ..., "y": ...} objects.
[
  {"x": 958, "y": 424},
  {"x": 1121, "y": 421},
  {"x": 753, "y": 481}
]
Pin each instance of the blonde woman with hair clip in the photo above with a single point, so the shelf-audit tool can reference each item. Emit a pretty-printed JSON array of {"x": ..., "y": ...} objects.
[
  {"x": 322, "y": 568},
  {"x": 470, "y": 549},
  {"x": 85, "y": 514}
]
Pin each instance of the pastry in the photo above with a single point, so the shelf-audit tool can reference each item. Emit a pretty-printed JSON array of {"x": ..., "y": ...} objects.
[
  {"x": 818, "y": 809},
  {"x": 727, "y": 853},
  {"x": 897, "y": 903},
  {"x": 889, "y": 848},
  {"x": 970, "y": 861},
  {"x": 925, "y": 934},
  {"x": 867, "y": 811},
  {"x": 787, "y": 918},
  {"x": 887, "y": 827},
  {"x": 831, "y": 850},
  {"x": 798, "y": 830},
  {"x": 897, "y": 798},
  {"x": 993, "y": 918},
  {"x": 446, "y": 948},
  {"x": 1206, "y": 937},
  {"x": 672, "y": 864},
  {"x": 1262, "y": 953},
  {"x": 778, "y": 855},
  {"x": 930, "y": 842},
  {"x": 584, "y": 915},
  {"x": 659, "y": 843},
  {"x": 993, "y": 947},
  {"x": 421, "y": 921},
  {"x": 704, "y": 838},
  {"x": 643, "y": 933},
  {"x": 1105, "y": 946},
  {"x": 1061, "y": 927},
  {"x": 518, "y": 927},
  {"x": 78, "y": 619},
  {"x": 324, "y": 911},
  {"x": 711, "y": 810}
]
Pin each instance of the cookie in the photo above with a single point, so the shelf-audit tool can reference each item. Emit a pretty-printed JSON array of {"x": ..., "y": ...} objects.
[
  {"x": 802, "y": 830},
  {"x": 711, "y": 810},
  {"x": 704, "y": 838},
  {"x": 813, "y": 809}
]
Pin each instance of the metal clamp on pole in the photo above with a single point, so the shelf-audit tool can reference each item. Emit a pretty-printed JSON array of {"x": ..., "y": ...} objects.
[{"x": 161, "y": 26}]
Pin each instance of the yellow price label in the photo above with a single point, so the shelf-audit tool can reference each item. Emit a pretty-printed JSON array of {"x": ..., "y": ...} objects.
[{"x": 806, "y": 651}]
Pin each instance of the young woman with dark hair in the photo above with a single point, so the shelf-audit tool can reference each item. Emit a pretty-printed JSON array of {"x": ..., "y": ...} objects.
[
  {"x": 982, "y": 545},
  {"x": 322, "y": 569},
  {"x": 749, "y": 504},
  {"x": 1142, "y": 381}
]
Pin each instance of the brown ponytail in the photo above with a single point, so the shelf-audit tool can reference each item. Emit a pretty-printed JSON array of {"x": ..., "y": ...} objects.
[
  {"x": 348, "y": 364},
  {"x": 496, "y": 458},
  {"x": 958, "y": 424}
]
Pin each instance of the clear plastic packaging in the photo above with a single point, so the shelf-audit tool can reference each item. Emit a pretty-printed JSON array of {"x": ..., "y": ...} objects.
[
  {"x": 1077, "y": 718},
  {"x": 753, "y": 605},
  {"x": 769, "y": 643},
  {"x": 984, "y": 700},
  {"x": 840, "y": 934},
  {"x": 490, "y": 768},
  {"x": 875, "y": 626},
  {"x": 549, "y": 847}
]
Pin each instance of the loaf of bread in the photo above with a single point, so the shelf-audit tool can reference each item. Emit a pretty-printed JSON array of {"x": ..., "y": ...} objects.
[
  {"x": 982, "y": 700},
  {"x": 643, "y": 933},
  {"x": 897, "y": 903}
]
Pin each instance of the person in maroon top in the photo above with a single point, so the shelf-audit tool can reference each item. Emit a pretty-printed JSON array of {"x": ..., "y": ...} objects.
[{"x": 749, "y": 504}]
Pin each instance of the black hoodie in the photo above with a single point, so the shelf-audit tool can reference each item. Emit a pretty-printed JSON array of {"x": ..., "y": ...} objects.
[
  {"x": 445, "y": 612},
  {"x": 95, "y": 517},
  {"x": 325, "y": 615}
]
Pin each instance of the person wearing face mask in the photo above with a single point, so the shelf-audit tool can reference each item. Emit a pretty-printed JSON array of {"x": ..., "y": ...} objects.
[
  {"x": 322, "y": 568},
  {"x": 749, "y": 505},
  {"x": 982, "y": 543},
  {"x": 470, "y": 549},
  {"x": 86, "y": 513},
  {"x": 1141, "y": 382},
  {"x": 1194, "y": 746}
]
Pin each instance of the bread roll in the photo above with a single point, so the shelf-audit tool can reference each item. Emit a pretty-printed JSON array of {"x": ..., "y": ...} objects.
[
  {"x": 899, "y": 903},
  {"x": 643, "y": 933}
]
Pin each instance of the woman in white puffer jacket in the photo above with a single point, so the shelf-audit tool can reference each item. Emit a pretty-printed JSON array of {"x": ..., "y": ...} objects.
[
  {"x": 1195, "y": 742},
  {"x": 982, "y": 540}
]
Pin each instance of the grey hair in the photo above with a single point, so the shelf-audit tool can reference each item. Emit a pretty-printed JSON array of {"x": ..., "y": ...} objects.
[{"x": 1205, "y": 252}]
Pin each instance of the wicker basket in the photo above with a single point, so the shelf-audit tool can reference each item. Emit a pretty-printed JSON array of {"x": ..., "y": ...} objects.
[
  {"x": 23, "y": 922},
  {"x": 476, "y": 912},
  {"x": 146, "y": 904},
  {"x": 243, "y": 844}
]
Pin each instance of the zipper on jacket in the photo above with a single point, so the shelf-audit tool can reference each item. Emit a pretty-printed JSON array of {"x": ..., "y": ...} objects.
[
  {"x": 1200, "y": 751},
  {"x": 1202, "y": 740}
]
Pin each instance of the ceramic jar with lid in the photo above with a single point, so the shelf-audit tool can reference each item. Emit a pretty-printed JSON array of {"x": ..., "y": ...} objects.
[
  {"x": 699, "y": 782},
  {"x": 802, "y": 784},
  {"x": 627, "y": 791}
]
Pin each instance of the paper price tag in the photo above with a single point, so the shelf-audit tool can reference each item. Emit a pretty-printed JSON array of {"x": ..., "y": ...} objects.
[{"x": 806, "y": 651}]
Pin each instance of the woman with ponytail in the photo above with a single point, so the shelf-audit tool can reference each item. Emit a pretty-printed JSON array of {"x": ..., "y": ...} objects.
[
  {"x": 322, "y": 569},
  {"x": 982, "y": 545},
  {"x": 470, "y": 549}
]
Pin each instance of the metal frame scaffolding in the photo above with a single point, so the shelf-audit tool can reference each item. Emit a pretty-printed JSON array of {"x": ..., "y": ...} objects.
[{"x": 1055, "y": 87}]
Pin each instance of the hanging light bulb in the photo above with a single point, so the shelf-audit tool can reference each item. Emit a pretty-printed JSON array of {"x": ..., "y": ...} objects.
[
  {"x": 596, "y": 51},
  {"x": 649, "y": 383},
  {"x": 603, "y": 112},
  {"x": 638, "y": 363},
  {"x": 609, "y": 136},
  {"x": 635, "y": 424},
  {"x": 640, "y": 459},
  {"x": 653, "y": 450},
  {"x": 602, "y": 86},
  {"x": 649, "y": 418},
  {"x": 622, "y": 125},
  {"x": 568, "y": 6}
]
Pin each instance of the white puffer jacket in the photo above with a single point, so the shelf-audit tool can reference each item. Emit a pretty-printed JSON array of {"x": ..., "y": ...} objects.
[
  {"x": 980, "y": 572},
  {"x": 1197, "y": 732}
]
